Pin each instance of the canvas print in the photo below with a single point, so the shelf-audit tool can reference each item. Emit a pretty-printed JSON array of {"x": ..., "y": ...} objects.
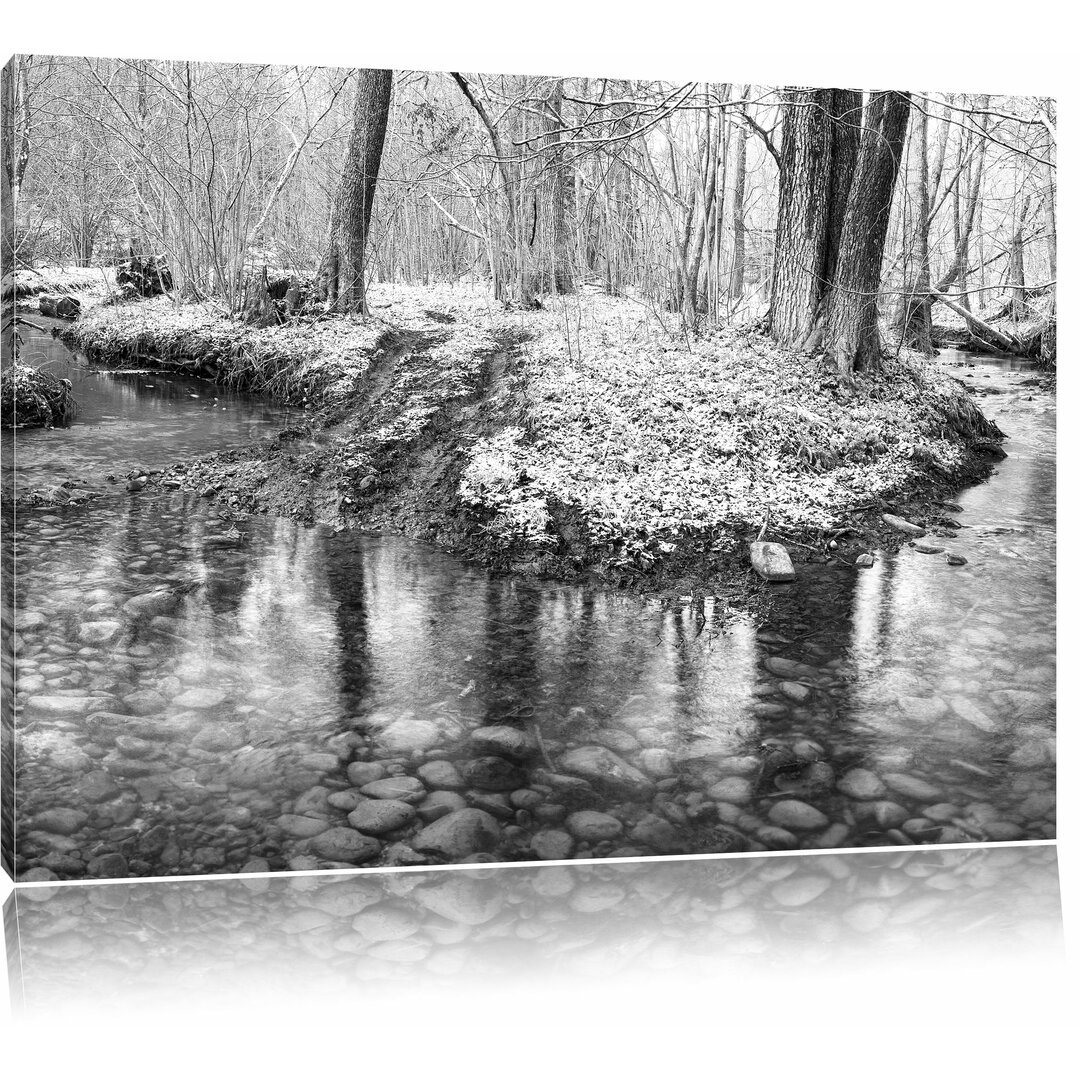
[{"x": 411, "y": 468}]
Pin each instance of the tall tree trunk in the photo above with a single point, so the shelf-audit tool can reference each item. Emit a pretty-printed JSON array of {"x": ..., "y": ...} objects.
[
  {"x": 817, "y": 168},
  {"x": 802, "y": 215},
  {"x": 1017, "y": 305},
  {"x": 562, "y": 192},
  {"x": 738, "y": 218},
  {"x": 852, "y": 337},
  {"x": 344, "y": 266}
]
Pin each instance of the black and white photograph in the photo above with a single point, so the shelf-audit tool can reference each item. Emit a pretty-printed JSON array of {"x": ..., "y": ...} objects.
[{"x": 464, "y": 523}]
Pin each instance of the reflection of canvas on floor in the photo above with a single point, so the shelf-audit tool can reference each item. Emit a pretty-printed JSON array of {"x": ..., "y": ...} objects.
[{"x": 142, "y": 944}]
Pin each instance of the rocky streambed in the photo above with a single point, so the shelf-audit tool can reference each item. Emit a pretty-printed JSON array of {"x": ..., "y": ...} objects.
[{"x": 200, "y": 691}]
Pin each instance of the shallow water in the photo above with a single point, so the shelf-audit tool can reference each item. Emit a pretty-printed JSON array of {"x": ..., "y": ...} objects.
[
  {"x": 130, "y": 419},
  {"x": 237, "y": 720}
]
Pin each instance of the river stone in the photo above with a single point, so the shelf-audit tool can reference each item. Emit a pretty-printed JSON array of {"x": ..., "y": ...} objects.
[
  {"x": 733, "y": 789},
  {"x": 458, "y": 834},
  {"x": 602, "y": 766},
  {"x": 793, "y": 814},
  {"x": 771, "y": 710},
  {"x": 410, "y": 733},
  {"x": 111, "y": 865},
  {"x": 59, "y": 705},
  {"x": 797, "y": 692},
  {"x": 200, "y": 697},
  {"x": 966, "y": 710},
  {"x": 552, "y": 844},
  {"x": 99, "y": 633},
  {"x": 345, "y": 800},
  {"x": 365, "y": 772},
  {"x": 776, "y": 839},
  {"x": 955, "y": 560},
  {"x": 861, "y": 784},
  {"x": 301, "y": 827},
  {"x": 865, "y": 561},
  {"x": 406, "y": 788},
  {"x": 441, "y": 775},
  {"x": 832, "y": 837},
  {"x": 144, "y": 702},
  {"x": 889, "y": 815},
  {"x": 652, "y": 831},
  {"x": 771, "y": 561},
  {"x": 378, "y": 816},
  {"x": 438, "y": 804},
  {"x": 503, "y": 740},
  {"x": 790, "y": 669},
  {"x": 593, "y": 826},
  {"x": 911, "y": 787},
  {"x": 96, "y": 787},
  {"x": 493, "y": 774},
  {"x": 70, "y": 759},
  {"x": 902, "y": 525},
  {"x": 927, "y": 549},
  {"x": 60, "y": 821},
  {"x": 30, "y": 620},
  {"x": 657, "y": 763},
  {"x": 341, "y": 844}
]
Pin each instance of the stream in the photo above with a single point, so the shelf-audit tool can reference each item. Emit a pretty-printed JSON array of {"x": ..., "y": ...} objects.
[{"x": 200, "y": 694}]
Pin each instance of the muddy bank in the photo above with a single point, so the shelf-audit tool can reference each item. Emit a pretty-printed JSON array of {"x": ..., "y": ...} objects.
[{"x": 614, "y": 454}]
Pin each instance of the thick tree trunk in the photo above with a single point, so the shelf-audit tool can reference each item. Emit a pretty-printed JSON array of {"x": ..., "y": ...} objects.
[
  {"x": 852, "y": 337},
  {"x": 802, "y": 216},
  {"x": 817, "y": 167},
  {"x": 344, "y": 265}
]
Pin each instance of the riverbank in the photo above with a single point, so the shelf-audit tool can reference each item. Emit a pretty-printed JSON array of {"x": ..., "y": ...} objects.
[
  {"x": 93, "y": 281},
  {"x": 589, "y": 438}
]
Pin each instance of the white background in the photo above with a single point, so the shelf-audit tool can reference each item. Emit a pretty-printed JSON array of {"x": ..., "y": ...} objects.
[{"x": 928, "y": 1022}]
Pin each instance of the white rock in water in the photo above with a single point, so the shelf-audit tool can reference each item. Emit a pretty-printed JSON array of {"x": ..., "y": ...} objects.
[
  {"x": 861, "y": 784},
  {"x": 98, "y": 633},
  {"x": 771, "y": 561},
  {"x": 600, "y": 765},
  {"x": 972, "y": 714},
  {"x": 912, "y": 787},
  {"x": 903, "y": 526},
  {"x": 793, "y": 814},
  {"x": 458, "y": 834}
]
